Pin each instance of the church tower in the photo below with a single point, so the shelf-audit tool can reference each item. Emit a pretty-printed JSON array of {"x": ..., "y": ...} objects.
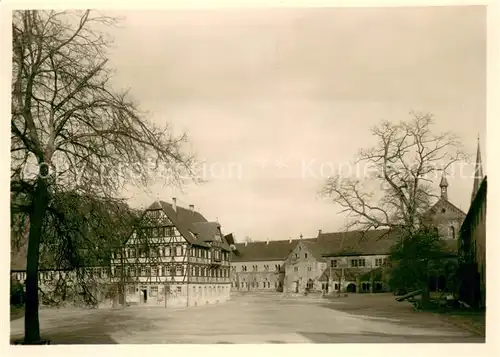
[
  {"x": 478, "y": 172},
  {"x": 444, "y": 187}
]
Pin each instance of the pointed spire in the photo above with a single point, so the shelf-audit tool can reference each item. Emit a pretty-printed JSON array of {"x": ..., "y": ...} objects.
[
  {"x": 444, "y": 187},
  {"x": 478, "y": 172}
]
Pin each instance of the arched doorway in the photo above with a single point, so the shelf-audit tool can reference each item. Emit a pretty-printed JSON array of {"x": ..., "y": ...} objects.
[{"x": 351, "y": 288}]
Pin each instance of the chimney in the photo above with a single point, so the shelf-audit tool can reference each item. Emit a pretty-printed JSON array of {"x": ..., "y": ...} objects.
[
  {"x": 319, "y": 232},
  {"x": 174, "y": 204},
  {"x": 300, "y": 235},
  {"x": 191, "y": 208}
]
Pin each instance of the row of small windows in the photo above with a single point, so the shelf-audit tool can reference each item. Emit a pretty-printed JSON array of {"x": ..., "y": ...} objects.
[
  {"x": 208, "y": 290},
  {"x": 255, "y": 285},
  {"x": 296, "y": 269},
  {"x": 157, "y": 232},
  {"x": 141, "y": 252},
  {"x": 172, "y": 270},
  {"x": 277, "y": 267},
  {"x": 170, "y": 251},
  {"x": 297, "y": 255},
  {"x": 359, "y": 262}
]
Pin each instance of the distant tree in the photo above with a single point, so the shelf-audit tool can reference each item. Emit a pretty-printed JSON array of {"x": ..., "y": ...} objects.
[
  {"x": 396, "y": 191},
  {"x": 77, "y": 131}
]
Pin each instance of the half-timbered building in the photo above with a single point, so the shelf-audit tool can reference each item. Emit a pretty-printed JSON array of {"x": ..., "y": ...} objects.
[{"x": 174, "y": 257}]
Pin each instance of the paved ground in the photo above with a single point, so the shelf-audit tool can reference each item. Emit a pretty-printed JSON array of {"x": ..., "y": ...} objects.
[{"x": 256, "y": 318}]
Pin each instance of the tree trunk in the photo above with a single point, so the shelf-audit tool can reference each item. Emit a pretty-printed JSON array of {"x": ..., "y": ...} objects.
[
  {"x": 31, "y": 321},
  {"x": 425, "y": 295}
]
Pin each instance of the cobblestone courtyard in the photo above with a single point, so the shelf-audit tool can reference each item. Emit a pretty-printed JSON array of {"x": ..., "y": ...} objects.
[{"x": 252, "y": 318}]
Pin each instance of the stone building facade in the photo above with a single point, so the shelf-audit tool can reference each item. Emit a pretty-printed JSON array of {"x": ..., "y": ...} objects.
[
  {"x": 259, "y": 266},
  {"x": 303, "y": 268},
  {"x": 472, "y": 245}
]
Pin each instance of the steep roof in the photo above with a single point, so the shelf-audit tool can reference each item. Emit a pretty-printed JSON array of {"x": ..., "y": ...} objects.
[
  {"x": 479, "y": 199},
  {"x": 193, "y": 226},
  {"x": 478, "y": 173},
  {"x": 261, "y": 250},
  {"x": 441, "y": 203},
  {"x": 315, "y": 248}
]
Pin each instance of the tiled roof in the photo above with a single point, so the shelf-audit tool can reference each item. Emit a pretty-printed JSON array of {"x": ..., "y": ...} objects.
[
  {"x": 326, "y": 244},
  {"x": 261, "y": 250},
  {"x": 189, "y": 221},
  {"x": 356, "y": 242}
]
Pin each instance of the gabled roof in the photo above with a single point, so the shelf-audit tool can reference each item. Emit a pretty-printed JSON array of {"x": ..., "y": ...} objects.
[
  {"x": 191, "y": 224},
  {"x": 314, "y": 248},
  {"x": 261, "y": 250},
  {"x": 442, "y": 203}
]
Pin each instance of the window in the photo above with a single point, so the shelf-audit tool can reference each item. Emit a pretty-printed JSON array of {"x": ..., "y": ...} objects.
[
  {"x": 334, "y": 263},
  {"x": 362, "y": 262},
  {"x": 354, "y": 262},
  {"x": 154, "y": 271},
  {"x": 155, "y": 232},
  {"x": 196, "y": 271},
  {"x": 309, "y": 268},
  {"x": 242, "y": 268},
  {"x": 148, "y": 271},
  {"x": 452, "y": 232},
  {"x": 268, "y": 284},
  {"x": 178, "y": 250},
  {"x": 179, "y": 290},
  {"x": 154, "y": 291},
  {"x": 132, "y": 253},
  {"x": 296, "y": 269},
  {"x": 305, "y": 255},
  {"x": 179, "y": 270}
]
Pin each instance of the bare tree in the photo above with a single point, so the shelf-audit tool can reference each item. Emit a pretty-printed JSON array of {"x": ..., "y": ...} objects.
[
  {"x": 396, "y": 187},
  {"x": 78, "y": 133}
]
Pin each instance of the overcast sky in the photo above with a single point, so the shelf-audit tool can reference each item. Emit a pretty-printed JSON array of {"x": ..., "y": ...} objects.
[{"x": 268, "y": 96}]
